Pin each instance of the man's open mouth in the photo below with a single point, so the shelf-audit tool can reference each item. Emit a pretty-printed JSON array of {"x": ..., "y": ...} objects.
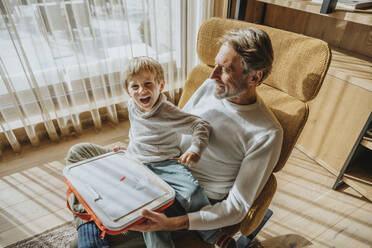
[{"x": 145, "y": 100}]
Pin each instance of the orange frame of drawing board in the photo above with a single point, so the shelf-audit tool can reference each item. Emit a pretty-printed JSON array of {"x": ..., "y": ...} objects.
[{"x": 114, "y": 189}]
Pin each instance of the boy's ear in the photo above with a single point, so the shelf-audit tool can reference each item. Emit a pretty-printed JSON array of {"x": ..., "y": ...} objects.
[
  {"x": 162, "y": 84},
  {"x": 125, "y": 86}
]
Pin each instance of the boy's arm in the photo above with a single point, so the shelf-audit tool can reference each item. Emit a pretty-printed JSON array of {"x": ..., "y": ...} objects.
[
  {"x": 200, "y": 136},
  {"x": 186, "y": 123},
  {"x": 117, "y": 148},
  {"x": 189, "y": 158}
]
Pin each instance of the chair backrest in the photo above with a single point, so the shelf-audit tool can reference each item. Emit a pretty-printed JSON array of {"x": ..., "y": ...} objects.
[{"x": 300, "y": 65}]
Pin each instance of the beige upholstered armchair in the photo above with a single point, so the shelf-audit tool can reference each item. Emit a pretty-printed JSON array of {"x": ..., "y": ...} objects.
[{"x": 300, "y": 65}]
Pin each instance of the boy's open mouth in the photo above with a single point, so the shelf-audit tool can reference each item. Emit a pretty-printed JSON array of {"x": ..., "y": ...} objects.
[{"x": 145, "y": 100}]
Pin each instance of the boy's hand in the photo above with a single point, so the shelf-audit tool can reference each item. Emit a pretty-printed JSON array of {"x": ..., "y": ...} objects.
[
  {"x": 189, "y": 159},
  {"x": 117, "y": 148}
]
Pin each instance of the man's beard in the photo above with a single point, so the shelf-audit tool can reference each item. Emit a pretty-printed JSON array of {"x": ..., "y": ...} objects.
[{"x": 234, "y": 90}]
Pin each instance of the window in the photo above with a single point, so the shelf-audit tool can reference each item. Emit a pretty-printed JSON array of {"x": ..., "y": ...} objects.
[{"x": 57, "y": 55}]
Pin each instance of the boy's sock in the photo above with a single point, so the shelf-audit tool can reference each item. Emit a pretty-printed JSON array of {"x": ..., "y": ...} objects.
[{"x": 225, "y": 241}]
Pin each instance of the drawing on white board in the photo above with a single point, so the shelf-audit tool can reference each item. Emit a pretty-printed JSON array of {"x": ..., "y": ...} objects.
[{"x": 106, "y": 182}]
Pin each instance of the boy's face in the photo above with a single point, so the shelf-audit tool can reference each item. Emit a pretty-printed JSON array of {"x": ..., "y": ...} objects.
[{"x": 144, "y": 90}]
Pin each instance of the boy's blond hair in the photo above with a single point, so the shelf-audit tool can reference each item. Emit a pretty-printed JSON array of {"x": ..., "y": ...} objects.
[{"x": 143, "y": 63}]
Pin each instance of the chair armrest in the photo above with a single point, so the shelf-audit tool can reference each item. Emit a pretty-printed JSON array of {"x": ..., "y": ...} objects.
[{"x": 259, "y": 207}]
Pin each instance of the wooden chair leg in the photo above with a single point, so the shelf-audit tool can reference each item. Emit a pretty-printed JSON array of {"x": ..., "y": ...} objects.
[{"x": 244, "y": 241}]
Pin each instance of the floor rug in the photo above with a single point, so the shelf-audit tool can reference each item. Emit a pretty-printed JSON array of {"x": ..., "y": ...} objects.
[{"x": 58, "y": 237}]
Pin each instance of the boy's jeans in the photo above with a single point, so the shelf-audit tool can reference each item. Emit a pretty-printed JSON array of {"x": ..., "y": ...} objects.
[{"x": 189, "y": 194}]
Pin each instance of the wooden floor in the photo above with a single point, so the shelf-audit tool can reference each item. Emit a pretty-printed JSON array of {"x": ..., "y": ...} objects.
[{"x": 307, "y": 212}]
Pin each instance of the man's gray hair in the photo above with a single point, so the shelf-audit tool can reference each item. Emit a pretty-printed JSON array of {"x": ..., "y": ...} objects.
[{"x": 254, "y": 46}]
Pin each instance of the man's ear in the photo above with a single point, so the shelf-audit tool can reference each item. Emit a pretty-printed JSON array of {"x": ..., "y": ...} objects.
[{"x": 256, "y": 77}]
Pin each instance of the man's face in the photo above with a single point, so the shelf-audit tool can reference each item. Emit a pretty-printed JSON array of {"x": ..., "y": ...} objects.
[
  {"x": 145, "y": 91},
  {"x": 228, "y": 73}
]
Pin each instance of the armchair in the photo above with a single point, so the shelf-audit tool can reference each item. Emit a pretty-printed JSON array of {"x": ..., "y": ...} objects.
[{"x": 300, "y": 65}]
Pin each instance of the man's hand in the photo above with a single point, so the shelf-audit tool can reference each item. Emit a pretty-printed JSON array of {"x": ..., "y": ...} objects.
[
  {"x": 160, "y": 222},
  {"x": 117, "y": 148},
  {"x": 189, "y": 159}
]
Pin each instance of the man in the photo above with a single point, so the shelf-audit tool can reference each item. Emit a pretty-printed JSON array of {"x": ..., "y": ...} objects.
[
  {"x": 245, "y": 142},
  {"x": 246, "y": 139}
]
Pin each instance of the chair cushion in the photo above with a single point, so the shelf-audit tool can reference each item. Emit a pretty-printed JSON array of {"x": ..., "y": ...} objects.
[{"x": 300, "y": 62}]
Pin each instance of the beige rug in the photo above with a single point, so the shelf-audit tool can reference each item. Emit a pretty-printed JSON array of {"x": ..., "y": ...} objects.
[
  {"x": 60, "y": 237},
  {"x": 57, "y": 237}
]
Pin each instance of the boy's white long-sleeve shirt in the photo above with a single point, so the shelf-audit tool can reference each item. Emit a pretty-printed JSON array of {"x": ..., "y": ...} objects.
[
  {"x": 244, "y": 147},
  {"x": 155, "y": 135}
]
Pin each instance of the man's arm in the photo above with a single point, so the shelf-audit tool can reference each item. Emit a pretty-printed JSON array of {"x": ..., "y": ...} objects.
[
  {"x": 160, "y": 222},
  {"x": 254, "y": 172},
  {"x": 185, "y": 123}
]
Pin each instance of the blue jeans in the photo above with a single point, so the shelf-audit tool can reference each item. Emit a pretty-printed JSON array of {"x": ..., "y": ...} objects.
[
  {"x": 190, "y": 196},
  {"x": 89, "y": 236}
]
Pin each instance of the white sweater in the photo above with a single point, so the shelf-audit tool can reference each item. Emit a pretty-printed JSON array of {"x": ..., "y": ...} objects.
[
  {"x": 244, "y": 147},
  {"x": 155, "y": 135}
]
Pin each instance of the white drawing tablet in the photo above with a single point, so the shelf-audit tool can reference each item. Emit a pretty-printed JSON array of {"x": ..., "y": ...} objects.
[{"x": 116, "y": 188}]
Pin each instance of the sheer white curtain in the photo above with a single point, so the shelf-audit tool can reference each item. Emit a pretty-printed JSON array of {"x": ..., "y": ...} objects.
[
  {"x": 197, "y": 12},
  {"x": 61, "y": 59}
]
